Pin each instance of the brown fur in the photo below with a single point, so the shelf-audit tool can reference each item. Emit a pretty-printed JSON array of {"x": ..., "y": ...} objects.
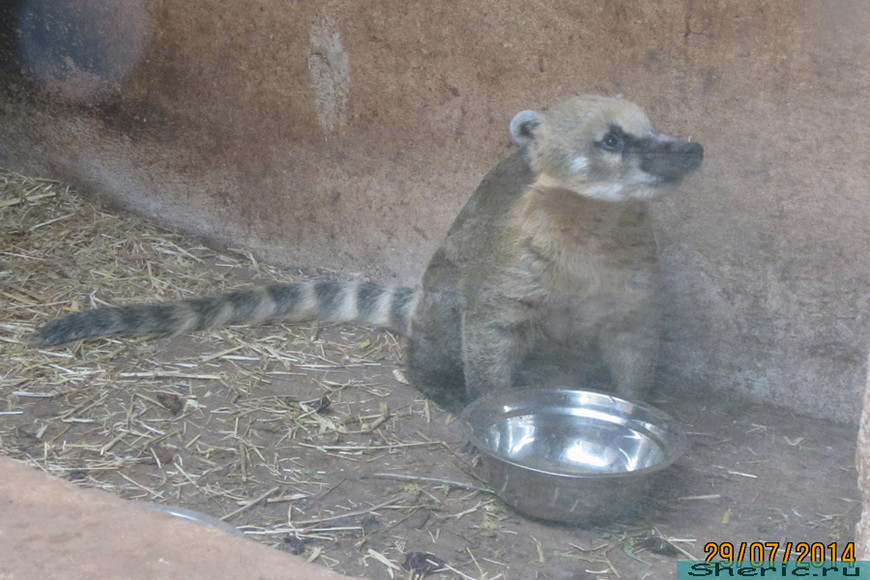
[{"x": 549, "y": 274}]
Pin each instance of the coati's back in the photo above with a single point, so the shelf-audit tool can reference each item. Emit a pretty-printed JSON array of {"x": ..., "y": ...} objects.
[{"x": 434, "y": 356}]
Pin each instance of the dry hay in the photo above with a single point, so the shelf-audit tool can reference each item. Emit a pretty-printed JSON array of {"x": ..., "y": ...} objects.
[{"x": 233, "y": 422}]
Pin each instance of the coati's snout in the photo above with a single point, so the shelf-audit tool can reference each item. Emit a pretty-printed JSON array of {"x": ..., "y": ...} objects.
[{"x": 670, "y": 158}]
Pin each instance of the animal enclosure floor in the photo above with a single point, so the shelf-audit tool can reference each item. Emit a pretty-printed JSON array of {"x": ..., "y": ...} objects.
[{"x": 308, "y": 439}]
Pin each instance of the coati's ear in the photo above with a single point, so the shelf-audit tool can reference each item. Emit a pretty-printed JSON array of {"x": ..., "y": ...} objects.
[{"x": 523, "y": 129}]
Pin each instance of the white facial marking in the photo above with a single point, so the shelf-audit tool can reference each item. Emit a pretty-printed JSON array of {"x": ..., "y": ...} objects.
[
  {"x": 579, "y": 164},
  {"x": 607, "y": 192},
  {"x": 640, "y": 186},
  {"x": 642, "y": 177}
]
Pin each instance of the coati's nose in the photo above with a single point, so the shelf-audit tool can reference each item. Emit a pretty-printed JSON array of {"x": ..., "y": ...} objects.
[
  {"x": 693, "y": 155},
  {"x": 672, "y": 159}
]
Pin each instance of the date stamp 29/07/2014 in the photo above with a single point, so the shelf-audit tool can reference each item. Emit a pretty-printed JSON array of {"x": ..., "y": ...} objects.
[
  {"x": 801, "y": 552},
  {"x": 776, "y": 560}
]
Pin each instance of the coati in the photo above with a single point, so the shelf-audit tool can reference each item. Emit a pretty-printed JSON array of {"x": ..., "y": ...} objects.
[{"x": 547, "y": 275}]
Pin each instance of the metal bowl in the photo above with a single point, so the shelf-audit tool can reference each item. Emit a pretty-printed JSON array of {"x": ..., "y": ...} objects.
[{"x": 572, "y": 456}]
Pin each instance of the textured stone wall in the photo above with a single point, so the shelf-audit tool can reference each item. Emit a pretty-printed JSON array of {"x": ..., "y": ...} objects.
[{"x": 348, "y": 134}]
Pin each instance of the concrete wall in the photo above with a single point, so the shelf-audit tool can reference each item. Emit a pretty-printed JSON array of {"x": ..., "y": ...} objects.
[{"x": 348, "y": 134}]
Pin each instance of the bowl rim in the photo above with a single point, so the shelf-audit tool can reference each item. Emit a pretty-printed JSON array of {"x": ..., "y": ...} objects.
[{"x": 676, "y": 451}]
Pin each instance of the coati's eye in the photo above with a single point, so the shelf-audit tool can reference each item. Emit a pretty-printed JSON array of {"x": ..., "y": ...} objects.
[{"x": 613, "y": 142}]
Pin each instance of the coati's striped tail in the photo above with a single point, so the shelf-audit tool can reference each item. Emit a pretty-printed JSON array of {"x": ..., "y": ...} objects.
[{"x": 363, "y": 303}]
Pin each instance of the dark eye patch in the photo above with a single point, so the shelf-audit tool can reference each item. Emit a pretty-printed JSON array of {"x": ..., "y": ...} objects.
[{"x": 616, "y": 140}]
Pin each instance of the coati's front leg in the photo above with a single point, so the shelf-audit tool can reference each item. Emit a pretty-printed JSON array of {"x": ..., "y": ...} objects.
[
  {"x": 494, "y": 343},
  {"x": 630, "y": 353}
]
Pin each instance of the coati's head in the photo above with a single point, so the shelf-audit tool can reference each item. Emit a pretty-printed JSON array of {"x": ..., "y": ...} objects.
[{"x": 603, "y": 148}]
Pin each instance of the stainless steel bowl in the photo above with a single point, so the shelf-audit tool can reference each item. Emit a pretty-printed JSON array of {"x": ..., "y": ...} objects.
[{"x": 571, "y": 456}]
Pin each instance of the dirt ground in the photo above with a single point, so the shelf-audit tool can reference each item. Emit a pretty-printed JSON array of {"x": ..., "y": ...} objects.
[{"x": 308, "y": 439}]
